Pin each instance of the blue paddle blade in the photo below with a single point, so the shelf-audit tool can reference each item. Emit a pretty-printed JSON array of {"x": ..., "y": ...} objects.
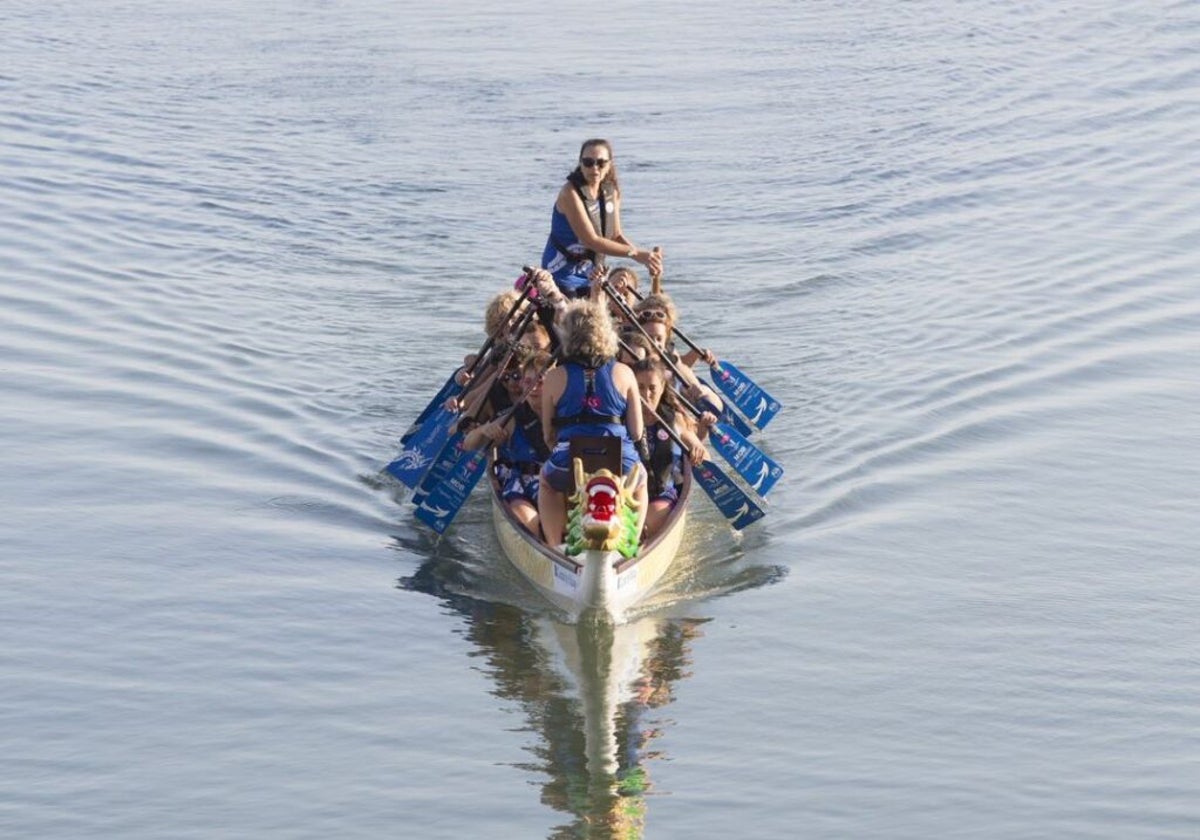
[
  {"x": 730, "y": 416},
  {"x": 450, "y": 389},
  {"x": 760, "y": 471},
  {"x": 738, "y": 508},
  {"x": 750, "y": 399},
  {"x": 422, "y": 448},
  {"x": 446, "y": 498},
  {"x": 442, "y": 463}
]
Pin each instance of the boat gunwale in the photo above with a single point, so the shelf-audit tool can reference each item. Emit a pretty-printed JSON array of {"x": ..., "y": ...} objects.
[
  {"x": 571, "y": 565},
  {"x": 685, "y": 492}
]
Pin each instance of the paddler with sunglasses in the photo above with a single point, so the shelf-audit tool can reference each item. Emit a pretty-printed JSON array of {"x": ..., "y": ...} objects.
[
  {"x": 656, "y": 314},
  {"x": 585, "y": 226},
  {"x": 660, "y": 454},
  {"x": 500, "y": 321},
  {"x": 520, "y": 443}
]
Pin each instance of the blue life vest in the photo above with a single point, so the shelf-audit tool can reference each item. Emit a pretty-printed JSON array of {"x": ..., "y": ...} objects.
[
  {"x": 564, "y": 256},
  {"x": 525, "y": 449},
  {"x": 665, "y": 454},
  {"x": 590, "y": 404}
]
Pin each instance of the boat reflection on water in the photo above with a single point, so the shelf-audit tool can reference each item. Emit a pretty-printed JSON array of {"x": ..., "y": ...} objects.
[{"x": 591, "y": 691}]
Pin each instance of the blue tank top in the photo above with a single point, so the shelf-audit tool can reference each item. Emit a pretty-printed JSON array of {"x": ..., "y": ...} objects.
[
  {"x": 570, "y": 273},
  {"x": 603, "y": 403},
  {"x": 517, "y": 449}
]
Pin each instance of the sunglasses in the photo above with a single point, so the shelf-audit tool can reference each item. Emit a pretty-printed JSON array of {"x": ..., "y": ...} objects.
[
  {"x": 652, "y": 315},
  {"x": 589, "y": 162},
  {"x": 511, "y": 376}
]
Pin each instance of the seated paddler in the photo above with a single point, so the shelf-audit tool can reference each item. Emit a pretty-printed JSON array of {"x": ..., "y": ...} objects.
[
  {"x": 590, "y": 394},
  {"x": 520, "y": 444}
]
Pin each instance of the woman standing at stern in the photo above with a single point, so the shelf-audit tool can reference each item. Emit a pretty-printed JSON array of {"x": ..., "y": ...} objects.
[{"x": 585, "y": 226}]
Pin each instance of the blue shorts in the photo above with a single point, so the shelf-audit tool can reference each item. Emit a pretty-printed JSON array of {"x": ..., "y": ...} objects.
[
  {"x": 519, "y": 485},
  {"x": 574, "y": 285},
  {"x": 669, "y": 494},
  {"x": 557, "y": 470}
]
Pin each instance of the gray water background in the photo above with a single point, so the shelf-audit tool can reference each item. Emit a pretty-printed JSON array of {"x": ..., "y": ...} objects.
[{"x": 243, "y": 243}]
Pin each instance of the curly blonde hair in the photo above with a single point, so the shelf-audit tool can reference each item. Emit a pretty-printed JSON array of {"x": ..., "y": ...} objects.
[
  {"x": 539, "y": 362},
  {"x": 497, "y": 308},
  {"x": 587, "y": 332}
]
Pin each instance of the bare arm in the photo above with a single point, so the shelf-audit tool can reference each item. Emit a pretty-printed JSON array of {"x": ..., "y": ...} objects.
[
  {"x": 552, "y": 388},
  {"x": 626, "y": 384},
  {"x": 692, "y": 356},
  {"x": 695, "y": 390},
  {"x": 571, "y": 205},
  {"x": 487, "y": 434},
  {"x": 618, "y": 234},
  {"x": 696, "y": 451}
]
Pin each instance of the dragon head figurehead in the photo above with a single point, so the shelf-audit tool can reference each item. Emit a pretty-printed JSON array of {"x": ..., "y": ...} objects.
[{"x": 603, "y": 512}]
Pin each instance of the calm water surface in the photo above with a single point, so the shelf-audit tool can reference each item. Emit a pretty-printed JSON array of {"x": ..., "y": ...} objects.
[{"x": 243, "y": 243}]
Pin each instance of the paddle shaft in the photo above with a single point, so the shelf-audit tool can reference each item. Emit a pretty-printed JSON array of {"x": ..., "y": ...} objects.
[
  {"x": 741, "y": 390},
  {"x": 448, "y": 496},
  {"x": 491, "y": 339},
  {"x": 504, "y": 416},
  {"x": 744, "y": 456},
  {"x": 518, "y": 331},
  {"x": 674, "y": 328},
  {"x": 655, "y": 280},
  {"x": 632, "y": 318},
  {"x": 435, "y": 476},
  {"x": 724, "y": 491}
]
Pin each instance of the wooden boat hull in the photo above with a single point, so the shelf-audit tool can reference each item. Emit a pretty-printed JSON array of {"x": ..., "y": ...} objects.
[{"x": 600, "y": 580}]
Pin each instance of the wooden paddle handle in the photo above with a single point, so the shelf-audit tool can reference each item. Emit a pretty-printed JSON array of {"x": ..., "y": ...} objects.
[{"x": 656, "y": 279}]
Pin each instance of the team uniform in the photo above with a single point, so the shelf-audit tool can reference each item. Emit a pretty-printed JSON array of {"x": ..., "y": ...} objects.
[
  {"x": 590, "y": 406},
  {"x": 564, "y": 256}
]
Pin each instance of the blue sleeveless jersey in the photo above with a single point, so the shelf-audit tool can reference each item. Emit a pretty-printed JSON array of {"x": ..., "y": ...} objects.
[
  {"x": 517, "y": 449},
  {"x": 605, "y": 400},
  {"x": 520, "y": 479},
  {"x": 571, "y": 276},
  {"x": 665, "y": 464}
]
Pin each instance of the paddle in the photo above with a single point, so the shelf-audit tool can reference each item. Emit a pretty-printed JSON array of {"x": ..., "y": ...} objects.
[
  {"x": 459, "y": 471},
  {"x": 742, "y": 391},
  {"x": 655, "y": 281},
  {"x": 737, "y": 507},
  {"x": 438, "y": 509},
  {"x": 448, "y": 390},
  {"x": 420, "y": 451},
  {"x": 728, "y": 414},
  {"x": 759, "y": 470},
  {"x": 452, "y": 388},
  {"x": 450, "y": 451},
  {"x": 432, "y": 428}
]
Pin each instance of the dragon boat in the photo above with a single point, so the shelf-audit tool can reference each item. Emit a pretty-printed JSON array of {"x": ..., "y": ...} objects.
[{"x": 601, "y": 566}]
